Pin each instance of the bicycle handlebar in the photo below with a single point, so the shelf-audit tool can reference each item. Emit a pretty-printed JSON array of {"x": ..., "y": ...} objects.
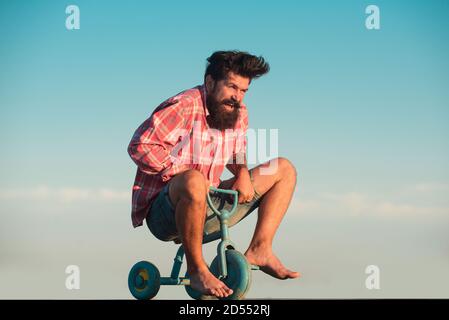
[{"x": 231, "y": 192}]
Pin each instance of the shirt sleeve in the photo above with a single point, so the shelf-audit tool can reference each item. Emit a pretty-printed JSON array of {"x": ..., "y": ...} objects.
[{"x": 151, "y": 145}]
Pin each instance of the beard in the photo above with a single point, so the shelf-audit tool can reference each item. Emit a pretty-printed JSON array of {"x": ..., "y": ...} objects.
[{"x": 220, "y": 118}]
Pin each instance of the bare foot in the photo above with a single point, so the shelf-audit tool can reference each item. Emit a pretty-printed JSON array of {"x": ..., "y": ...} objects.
[
  {"x": 270, "y": 264},
  {"x": 205, "y": 282}
]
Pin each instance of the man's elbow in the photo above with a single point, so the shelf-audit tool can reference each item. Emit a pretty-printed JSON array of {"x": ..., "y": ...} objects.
[
  {"x": 143, "y": 161},
  {"x": 131, "y": 150},
  {"x": 135, "y": 154}
]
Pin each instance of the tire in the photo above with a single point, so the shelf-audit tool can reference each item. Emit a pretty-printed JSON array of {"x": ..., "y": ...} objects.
[
  {"x": 239, "y": 274},
  {"x": 144, "y": 280}
]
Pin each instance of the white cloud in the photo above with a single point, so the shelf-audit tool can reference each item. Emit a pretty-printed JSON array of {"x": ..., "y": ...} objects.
[
  {"x": 109, "y": 194},
  {"x": 65, "y": 194},
  {"x": 357, "y": 203},
  {"x": 427, "y": 187},
  {"x": 394, "y": 209},
  {"x": 73, "y": 194},
  {"x": 353, "y": 203}
]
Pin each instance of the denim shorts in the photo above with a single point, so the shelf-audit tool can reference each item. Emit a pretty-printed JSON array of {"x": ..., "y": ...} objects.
[{"x": 161, "y": 216}]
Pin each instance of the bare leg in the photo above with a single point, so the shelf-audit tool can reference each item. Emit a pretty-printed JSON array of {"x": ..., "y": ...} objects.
[
  {"x": 278, "y": 189},
  {"x": 187, "y": 192}
]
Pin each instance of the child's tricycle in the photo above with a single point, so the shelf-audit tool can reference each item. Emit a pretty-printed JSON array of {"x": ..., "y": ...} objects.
[{"x": 230, "y": 266}]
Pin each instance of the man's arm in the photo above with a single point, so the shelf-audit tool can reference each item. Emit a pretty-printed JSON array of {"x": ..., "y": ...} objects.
[
  {"x": 149, "y": 156},
  {"x": 242, "y": 183},
  {"x": 153, "y": 141},
  {"x": 238, "y": 165}
]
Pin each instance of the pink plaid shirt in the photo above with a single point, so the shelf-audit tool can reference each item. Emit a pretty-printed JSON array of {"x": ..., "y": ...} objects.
[{"x": 175, "y": 135}]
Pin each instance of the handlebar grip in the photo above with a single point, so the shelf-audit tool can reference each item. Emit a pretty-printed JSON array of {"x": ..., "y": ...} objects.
[{"x": 231, "y": 192}]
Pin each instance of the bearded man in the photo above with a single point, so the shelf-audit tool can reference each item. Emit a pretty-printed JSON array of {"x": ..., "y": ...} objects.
[{"x": 172, "y": 182}]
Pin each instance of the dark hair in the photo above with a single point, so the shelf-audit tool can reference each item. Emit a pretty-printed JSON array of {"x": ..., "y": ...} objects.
[{"x": 241, "y": 63}]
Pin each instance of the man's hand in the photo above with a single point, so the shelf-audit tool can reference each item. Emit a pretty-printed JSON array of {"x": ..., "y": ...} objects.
[{"x": 244, "y": 186}]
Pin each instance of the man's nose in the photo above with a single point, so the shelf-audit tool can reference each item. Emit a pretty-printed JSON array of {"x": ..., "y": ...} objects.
[{"x": 237, "y": 97}]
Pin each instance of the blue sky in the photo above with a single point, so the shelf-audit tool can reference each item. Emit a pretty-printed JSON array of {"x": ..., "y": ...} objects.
[
  {"x": 363, "y": 114},
  {"x": 368, "y": 98}
]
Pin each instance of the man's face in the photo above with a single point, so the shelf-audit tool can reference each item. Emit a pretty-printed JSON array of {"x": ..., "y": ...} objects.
[{"x": 224, "y": 98}]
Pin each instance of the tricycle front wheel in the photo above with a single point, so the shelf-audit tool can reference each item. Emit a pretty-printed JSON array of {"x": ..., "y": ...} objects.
[{"x": 239, "y": 274}]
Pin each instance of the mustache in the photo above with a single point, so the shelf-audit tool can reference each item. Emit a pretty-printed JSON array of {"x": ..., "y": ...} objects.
[{"x": 232, "y": 102}]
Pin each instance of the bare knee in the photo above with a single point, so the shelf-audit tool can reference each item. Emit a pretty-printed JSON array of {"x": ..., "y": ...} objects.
[
  {"x": 286, "y": 169},
  {"x": 192, "y": 187}
]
